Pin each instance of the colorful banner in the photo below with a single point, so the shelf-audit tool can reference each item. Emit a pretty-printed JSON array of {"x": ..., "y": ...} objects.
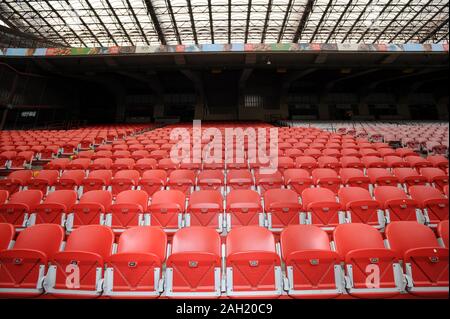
[{"x": 234, "y": 47}]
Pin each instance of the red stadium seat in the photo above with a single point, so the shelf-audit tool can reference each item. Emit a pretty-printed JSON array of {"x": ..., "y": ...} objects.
[
  {"x": 167, "y": 165},
  {"x": 326, "y": 178},
  {"x": 417, "y": 162},
  {"x": 297, "y": 179},
  {"x": 404, "y": 152},
  {"x": 16, "y": 181},
  {"x": 265, "y": 181},
  {"x": 306, "y": 162},
  {"x": 285, "y": 163},
  {"x": 435, "y": 176},
  {"x": 396, "y": 161},
  {"x": 139, "y": 154},
  {"x": 443, "y": 232},
  {"x": 425, "y": 262},
  {"x": 322, "y": 208},
  {"x": 122, "y": 164},
  {"x": 19, "y": 207},
  {"x": 409, "y": 177},
  {"x": 239, "y": 179},
  {"x": 101, "y": 164},
  {"x": 58, "y": 164},
  {"x": 351, "y": 162},
  {"x": 396, "y": 204},
  {"x": 22, "y": 159},
  {"x": 252, "y": 263},
  {"x": 360, "y": 206},
  {"x": 70, "y": 180},
  {"x": 381, "y": 177},
  {"x": 313, "y": 269},
  {"x": 124, "y": 180},
  {"x": 23, "y": 267},
  {"x": 79, "y": 163},
  {"x": 373, "y": 162},
  {"x": 120, "y": 154},
  {"x": 313, "y": 152},
  {"x": 44, "y": 180},
  {"x": 145, "y": 164},
  {"x": 152, "y": 181},
  {"x": 182, "y": 180},
  {"x": 128, "y": 210},
  {"x": 206, "y": 209},
  {"x": 89, "y": 246},
  {"x": 194, "y": 265},
  {"x": 97, "y": 180},
  {"x": 244, "y": 209},
  {"x": 211, "y": 180},
  {"x": 90, "y": 210},
  {"x": 135, "y": 271},
  {"x": 438, "y": 161},
  {"x": 282, "y": 208},
  {"x": 54, "y": 208},
  {"x": 354, "y": 177},
  {"x": 431, "y": 200},
  {"x": 7, "y": 232},
  {"x": 329, "y": 162},
  {"x": 6, "y": 157},
  {"x": 362, "y": 249},
  {"x": 167, "y": 209}
]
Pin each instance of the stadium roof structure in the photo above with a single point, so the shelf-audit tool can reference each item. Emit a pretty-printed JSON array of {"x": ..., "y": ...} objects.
[{"x": 106, "y": 23}]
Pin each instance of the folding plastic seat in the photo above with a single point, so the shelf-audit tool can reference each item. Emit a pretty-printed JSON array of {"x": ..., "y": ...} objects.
[
  {"x": 231, "y": 164},
  {"x": 313, "y": 269},
  {"x": 371, "y": 269},
  {"x": 6, "y": 157},
  {"x": 54, "y": 209},
  {"x": 313, "y": 152},
  {"x": 206, "y": 209},
  {"x": 58, "y": 163},
  {"x": 135, "y": 271},
  {"x": 306, "y": 162},
  {"x": 243, "y": 209},
  {"x": 139, "y": 154},
  {"x": 70, "y": 180},
  {"x": 417, "y": 162},
  {"x": 85, "y": 154},
  {"x": 4, "y": 195},
  {"x": 265, "y": 182},
  {"x": 354, "y": 177},
  {"x": 373, "y": 162},
  {"x": 91, "y": 209},
  {"x": 182, "y": 180},
  {"x": 329, "y": 162},
  {"x": 404, "y": 152},
  {"x": 79, "y": 163},
  {"x": 386, "y": 151},
  {"x": 350, "y": 152},
  {"x": 122, "y": 164},
  {"x": 124, "y": 180},
  {"x": 382, "y": 177},
  {"x": 43, "y": 180},
  {"x": 285, "y": 163},
  {"x": 432, "y": 202},
  {"x": 351, "y": 162},
  {"x": 7, "y": 232},
  {"x": 152, "y": 181},
  {"x": 282, "y": 208},
  {"x": 159, "y": 154},
  {"x": 167, "y": 209},
  {"x": 396, "y": 162},
  {"x": 438, "y": 161},
  {"x": 97, "y": 180},
  {"x": 409, "y": 176},
  {"x": 19, "y": 207},
  {"x": 120, "y": 154},
  {"x": 167, "y": 165},
  {"x": 443, "y": 232},
  {"x": 211, "y": 180},
  {"x": 397, "y": 205},
  {"x": 326, "y": 178},
  {"x": 293, "y": 153},
  {"x": 252, "y": 263},
  {"x": 102, "y": 154},
  {"x": 425, "y": 262},
  {"x": 239, "y": 179},
  {"x": 435, "y": 176},
  {"x": 70, "y": 147},
  {"x": 145, "y": 164},
  {"x": 22, "y": 159},
  {"x": 321, "y": 208},
  {"x": 297, "y": 179},
  {"x": 301, "y": 146},
  {"x": 23, "y": 267},
  {"x": 16, "y": 181},
  {"x": 49, "y": 152},
  {"x": 86, "y": 250},
  {"x": 360, "y": 207}
]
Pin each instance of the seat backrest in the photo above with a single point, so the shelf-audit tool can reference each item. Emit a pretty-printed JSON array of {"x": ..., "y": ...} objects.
[
  {"x": 143, "y": 239},
  {"x": 211, "y": 174},
  {"x": 243, "y": 196},
  {"x": 22, "y": 175},
  {"x": 206, "y": 196},
  {"x": 182, "y": 174},
  {"x": 347, "y": 173},
  {"x": 50, "y": 175},
  {"x": 250, "y": 239},
  {"x": 319, "y": 173},
  {"x": 31, "y": 198},
  {"x": 128, "y": 174},
  {"x": 311, "y": 195},
  {"x": 97, "y": 196},
  {"x": 350, "y": 194},
  {"x": 280, "y": 196},
  {"x": 431, "y": 172},
  {"x": 421, "y": 193},
  {"x": 348, "y": 237},
  {"x": 6, "y": 235},
  {"x": 146, "y": 161},
  {"x": 4, "y": 194},
  {"x": 133, "y": 197},
  {"x": 156, "y": 174},
  {"x": 65, "y": 197},
  {"x": 405, "y": 235},
  {"x": 76, "y": 174},
  {"x": 46, "y": 238},
  {"x": 196, "y": 239},
  {"x": 104, "y": 174},
  {"x": 303, "y": 237},
  {"x": 294, "y": 173},
  {"x": 385, "y": 193},
  {"x": 239, "y": 173},
  {"x": 169, "y": 196},
  {"x": 92, "y": 238}
]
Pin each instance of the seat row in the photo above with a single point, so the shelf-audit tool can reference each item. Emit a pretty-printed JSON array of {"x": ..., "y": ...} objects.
[
  {"x": 278, "y": 208},
  {"x": 305, "y": 264}
]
